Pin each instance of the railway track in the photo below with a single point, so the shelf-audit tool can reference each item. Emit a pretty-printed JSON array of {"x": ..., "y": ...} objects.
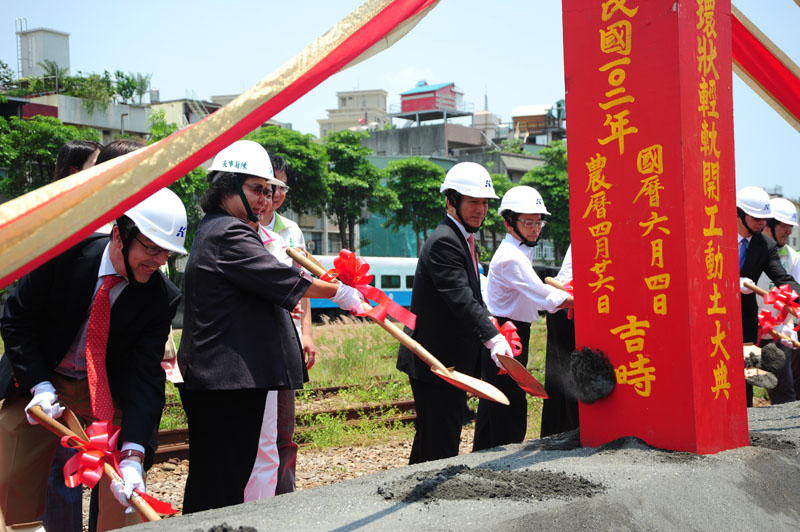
[{"x": 175, "y": 443}]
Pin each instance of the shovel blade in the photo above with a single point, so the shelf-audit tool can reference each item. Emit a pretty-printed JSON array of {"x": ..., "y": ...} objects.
[
  {"x": 472, "y": 385},
  {"x": 522, "y": 376}
]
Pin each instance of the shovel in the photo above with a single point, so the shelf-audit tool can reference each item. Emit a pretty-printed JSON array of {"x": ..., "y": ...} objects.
[
  {"x": 459, "y": 380},
  {"x": 77, "y": 431},
  {"x": 522, "y": 376}
]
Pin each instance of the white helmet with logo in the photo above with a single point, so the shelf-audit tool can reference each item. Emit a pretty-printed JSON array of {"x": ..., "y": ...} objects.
[
  {"x": 162, "y": 219},
  {"x": 754, "y": 201},
  {"x": 469, "y": 179},
  {"x": 783, "y": 210},
  {"x": 245, "y": 157},
  {"x": 523, "y": 200}
]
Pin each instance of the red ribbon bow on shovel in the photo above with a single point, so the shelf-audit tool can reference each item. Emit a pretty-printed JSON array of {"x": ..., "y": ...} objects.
[
  {"x": 509, "y": 332},
  {"x": 782, "y": 298},
  {"x": 354, "y": 271},
  {"x": 87, "y": 466}
]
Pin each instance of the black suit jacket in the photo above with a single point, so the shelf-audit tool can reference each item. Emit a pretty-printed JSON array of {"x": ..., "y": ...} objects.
[
  {"x": 47, "y": 310},
  {"x": 761, "y": 257},
  {"x": 452, "y": 321}
]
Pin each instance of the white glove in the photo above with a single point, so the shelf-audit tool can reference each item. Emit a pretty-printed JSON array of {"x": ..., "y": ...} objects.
[
  {"x": 785, "y": 330},
  {"x": 348, "y": 298},
  {"x": 498, "y": 346},
  {"x": 742, "y": 287},
  {"x": 44, "y": 395},
  {"x": 132, "y": 475}
]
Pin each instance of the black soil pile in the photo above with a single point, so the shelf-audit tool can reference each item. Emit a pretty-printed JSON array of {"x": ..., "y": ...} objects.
[
  {"x": 464, "y": 483},
  {"x": 225, "y": 527},
  {"x": 770, "y": 441}
]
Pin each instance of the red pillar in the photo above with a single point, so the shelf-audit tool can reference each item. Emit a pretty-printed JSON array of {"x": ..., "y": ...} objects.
[{"x": 653, "y": 217}]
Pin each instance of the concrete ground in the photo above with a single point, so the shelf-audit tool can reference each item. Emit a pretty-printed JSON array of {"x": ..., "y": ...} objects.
[{"x": 552, "y": 484}]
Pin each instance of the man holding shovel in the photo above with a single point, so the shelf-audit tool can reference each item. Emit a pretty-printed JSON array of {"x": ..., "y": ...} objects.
[
  {"x": 452, "y": 321},
  {"x": 87, "y": 330},
  {"x": 757, "y": 254},
  {"x": 514, "y": 293}
]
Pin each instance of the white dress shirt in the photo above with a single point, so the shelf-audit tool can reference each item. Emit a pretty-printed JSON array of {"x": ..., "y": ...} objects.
[{"x": 514, "y": 290}]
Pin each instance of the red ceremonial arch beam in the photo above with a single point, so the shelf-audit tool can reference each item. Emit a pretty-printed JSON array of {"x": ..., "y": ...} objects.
[
  {"x": 43, "y": 223},
  {"x": 765, "y": 68}
]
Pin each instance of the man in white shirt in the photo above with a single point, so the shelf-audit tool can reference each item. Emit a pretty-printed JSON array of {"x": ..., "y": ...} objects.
[
  {"x": 779, "y": 228},
  {"x": 514, "y": 293}
]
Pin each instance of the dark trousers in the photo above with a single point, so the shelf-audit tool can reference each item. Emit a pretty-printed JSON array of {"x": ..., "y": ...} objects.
[
  {"x": 440, "y": 409},
  {"x": 560, "y": 409},
  {"x": 224, "y": 430},
  {"x": 784, "y": 391},
  {"x": 500, "y": 424},
  {"x": 796, "y": 371}
]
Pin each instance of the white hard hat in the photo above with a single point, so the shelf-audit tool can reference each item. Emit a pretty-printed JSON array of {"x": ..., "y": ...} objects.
[
  {"x": 245, "y": 157},
  {"x": 162, "y": 219},
  {"x": 754, "y": 201},
  {"x": 470, "y": 179},
  {"x": 783, "y": 210},
  {"x": 523, "y": 200}
]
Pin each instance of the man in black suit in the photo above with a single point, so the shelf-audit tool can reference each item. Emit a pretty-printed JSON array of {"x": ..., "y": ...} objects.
[
  {"x": 44, "y": 327},
  {"x": 452, "y": 320},
  {"x": 757, "y": 254}
]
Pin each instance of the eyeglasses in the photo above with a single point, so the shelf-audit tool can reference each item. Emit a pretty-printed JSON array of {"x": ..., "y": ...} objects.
[
  {"x": 260, "y": 191},
  {"x": 154, "y": 250},
  {"x": 530, "y": 224}
]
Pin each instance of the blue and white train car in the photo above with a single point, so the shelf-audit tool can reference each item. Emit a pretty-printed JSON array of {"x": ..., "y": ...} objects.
[{"x": 393, "y": 275}]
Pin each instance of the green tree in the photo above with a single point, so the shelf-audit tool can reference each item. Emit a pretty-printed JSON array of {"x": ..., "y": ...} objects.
[
  {"x": 95, "y": 91},
  {"x": 142, "y": 84},
  {"x": 189, "y": 187},
  {"x": 29, "y": 148},
  {"x": 553, "y": 184},
  {"x": 53, "y": 74},
  {"x": 512, "y": 146},
  {"x": 307, "y": 162},
  {"x": 125, "y": 85},
  {"x": 6, "y": 75},
  {"x": 353, "y": 181},
  {"x": 415, "y": 182}
]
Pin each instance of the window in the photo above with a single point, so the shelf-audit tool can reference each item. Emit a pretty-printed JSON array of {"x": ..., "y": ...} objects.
[
  {"x": 342, "y": 102},
  {"x": 409, "y": 281},
  {"x": 313, "y": 241},
  {"x": 334, "y": 244},
  {"x": 390, "y": 281},
  {"x": 416, "y": 150}
]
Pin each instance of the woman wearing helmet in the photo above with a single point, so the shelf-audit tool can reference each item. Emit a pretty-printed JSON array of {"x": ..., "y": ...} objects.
[
  {"x": 238, "y": 338},
  {"x": 514, "y": 293}
]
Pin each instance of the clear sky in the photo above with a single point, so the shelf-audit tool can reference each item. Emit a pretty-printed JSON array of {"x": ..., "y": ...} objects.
[{"x": 510, "y": 50}]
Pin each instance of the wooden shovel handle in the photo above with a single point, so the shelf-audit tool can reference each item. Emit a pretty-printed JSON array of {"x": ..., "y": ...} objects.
[
  {"x": 60, "y": 430},
  {"x": 760, "y": 291},
  {"x": 554, "y": 282},
  {"x": 396, "y": 332}
]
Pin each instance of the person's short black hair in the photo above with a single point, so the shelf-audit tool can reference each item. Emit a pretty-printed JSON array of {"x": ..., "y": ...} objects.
[
  {"x": 278, "y": 163},
  {"x": 220, "y": 186},
  {"x": 73, "y": 155},
  {"x": 116, "y": 148}
]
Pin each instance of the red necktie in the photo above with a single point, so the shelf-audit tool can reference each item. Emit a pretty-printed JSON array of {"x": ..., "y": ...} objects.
[
  {"x": 96, "y": 341},
  {"x": 471, "y": 241}
]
